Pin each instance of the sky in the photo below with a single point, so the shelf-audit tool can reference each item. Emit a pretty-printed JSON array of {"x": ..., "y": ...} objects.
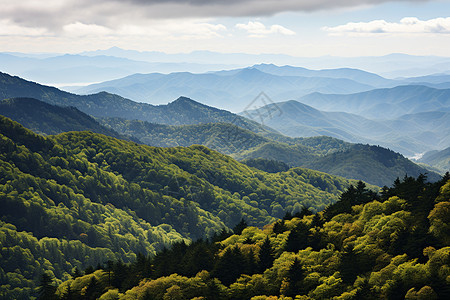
[{"x": 303, "y": 28}]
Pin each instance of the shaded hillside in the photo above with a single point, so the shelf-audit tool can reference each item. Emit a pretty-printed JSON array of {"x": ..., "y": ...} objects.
[
  {"x": 437, "y": 159},
  {"x": 78, "y": 198},
  {"x": 378, "y": 165},
  {"x": 317, "y": 153},
  {"x": 182, "y": 111},
  {"x": 50, "y": 119}
]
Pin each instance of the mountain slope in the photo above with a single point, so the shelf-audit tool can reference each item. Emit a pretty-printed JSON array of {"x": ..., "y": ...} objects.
[
  {"x": 437, "y": 159},
  {"x": 49, "y": 119},
  {"x": 183, "y": 111},
  {"x": 408, "y": 134},
  {"x": 384, "y": 103},
  {"x": 80, "y": 198},
  {"x": 393, "y": 245},
  {"x": 376, "y": 164}
]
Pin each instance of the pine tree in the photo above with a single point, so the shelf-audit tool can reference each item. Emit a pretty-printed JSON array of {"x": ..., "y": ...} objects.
[
  {"x": 266, "y": 256},
  {"x": 297, "y": 238},
  {"x": 240, "y": 227},
  {"x": 46, "y": 290},
  {"x": 294, "y": 277}
]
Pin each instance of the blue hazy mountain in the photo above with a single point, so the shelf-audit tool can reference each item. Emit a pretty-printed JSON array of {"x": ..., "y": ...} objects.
[
  {"x": 233, "y": 90},
  {"x": 390, "y": 66},
  {"x": 408, "y": 134},
  {"x": 179, "y": 112},
  {"x": 348, "y": 73},
  {"x": 81, "y": 69},
  {"x": 383, "y": 103}
]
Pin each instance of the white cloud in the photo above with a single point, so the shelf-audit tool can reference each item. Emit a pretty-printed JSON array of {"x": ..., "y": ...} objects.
[
  {"x": 258, "y": 29},
  {"x": 409, "y": 25},
  {"x": 193, "y": 29},
  {"x": 80, "y": 29},
  {"x": 54, "y": 14}
]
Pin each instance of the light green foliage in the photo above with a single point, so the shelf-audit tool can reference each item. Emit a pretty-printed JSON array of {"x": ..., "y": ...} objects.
[
  {"x": 80, "y": 199},
  {"x": 367, "y": 252}
]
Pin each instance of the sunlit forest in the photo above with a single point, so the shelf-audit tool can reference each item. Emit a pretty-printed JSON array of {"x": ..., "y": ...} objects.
[{"x": 391, "y": 245}]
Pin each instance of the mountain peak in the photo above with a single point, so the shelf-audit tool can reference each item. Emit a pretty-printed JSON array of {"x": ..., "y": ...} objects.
[{"x": 184, "y": 99}]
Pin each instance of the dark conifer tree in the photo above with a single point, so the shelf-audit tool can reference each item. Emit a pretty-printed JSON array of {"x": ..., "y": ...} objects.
[
  {"x": 240, "y": 227},
  {"x": 279, "y": 227},
  {"x": 266, "y": 256},
  {"x": 46, "y": 290},
  {"x": 297, "y": 238},
  {"x": 295, "y": 276}
]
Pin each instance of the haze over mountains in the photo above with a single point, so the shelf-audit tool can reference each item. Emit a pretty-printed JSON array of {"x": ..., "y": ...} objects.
[
  {"x": 111, "y": 179},
  {"x": 221, "y": 130},
  {"x": 102, "y": 65},
  {"x": 409, "y": 115}
]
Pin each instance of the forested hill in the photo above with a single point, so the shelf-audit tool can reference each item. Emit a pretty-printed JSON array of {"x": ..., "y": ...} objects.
[
  {"x": 79, "y": 198},
  {"x": 375, "y": 164},
  {"x": 180, "y": 111},
  {"x": 394, "y": 245},
  {"x": 372, "y": 164},
  {"x": 47, "y": 119}
]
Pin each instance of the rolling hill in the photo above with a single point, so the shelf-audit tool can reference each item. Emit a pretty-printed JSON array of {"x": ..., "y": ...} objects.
[
  {"x": 47, "y": 119},
  {"x": 80, "y": 198},
  {"x": 437, "y": 159},
  {"x": 372, "y": 164}
]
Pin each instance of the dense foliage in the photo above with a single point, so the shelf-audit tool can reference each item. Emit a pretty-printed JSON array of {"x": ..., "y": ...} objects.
[
  {"x": 395, "y": 245},
  {"x": 267, "y": 165},
  {"x": 80, "y": 198},
  {"x": 372, "y": 164},
  {"x": 375, "y": 164}
]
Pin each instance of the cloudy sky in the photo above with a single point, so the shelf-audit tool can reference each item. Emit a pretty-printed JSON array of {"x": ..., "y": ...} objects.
[{"x": 294, "y": 27}]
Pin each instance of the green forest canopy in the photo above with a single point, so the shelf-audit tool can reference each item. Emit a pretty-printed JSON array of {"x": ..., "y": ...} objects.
[{"x": 78, "y": 198}]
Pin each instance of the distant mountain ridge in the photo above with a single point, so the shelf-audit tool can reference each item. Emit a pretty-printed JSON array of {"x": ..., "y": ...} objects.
[
  {"x": 232, "y": 90},
  {"x": 408, "y": 134},
  {"x": 383, "y": 103},
  {"x": 179, "y": 112}
]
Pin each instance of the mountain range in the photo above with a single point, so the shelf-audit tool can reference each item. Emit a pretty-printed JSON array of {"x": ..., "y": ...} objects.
[
  {"x": 384, "y": 103},
  {"x": 89, "y": 66},
  {"x": 437, "y": 159},
  {"x": 408, "y": 134},
  {"x": 110, "y": 198},
  {"x": 232, "y": 90},
  {"x": 317, "y": 153},
  {"x": 183, "y": 111}
]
